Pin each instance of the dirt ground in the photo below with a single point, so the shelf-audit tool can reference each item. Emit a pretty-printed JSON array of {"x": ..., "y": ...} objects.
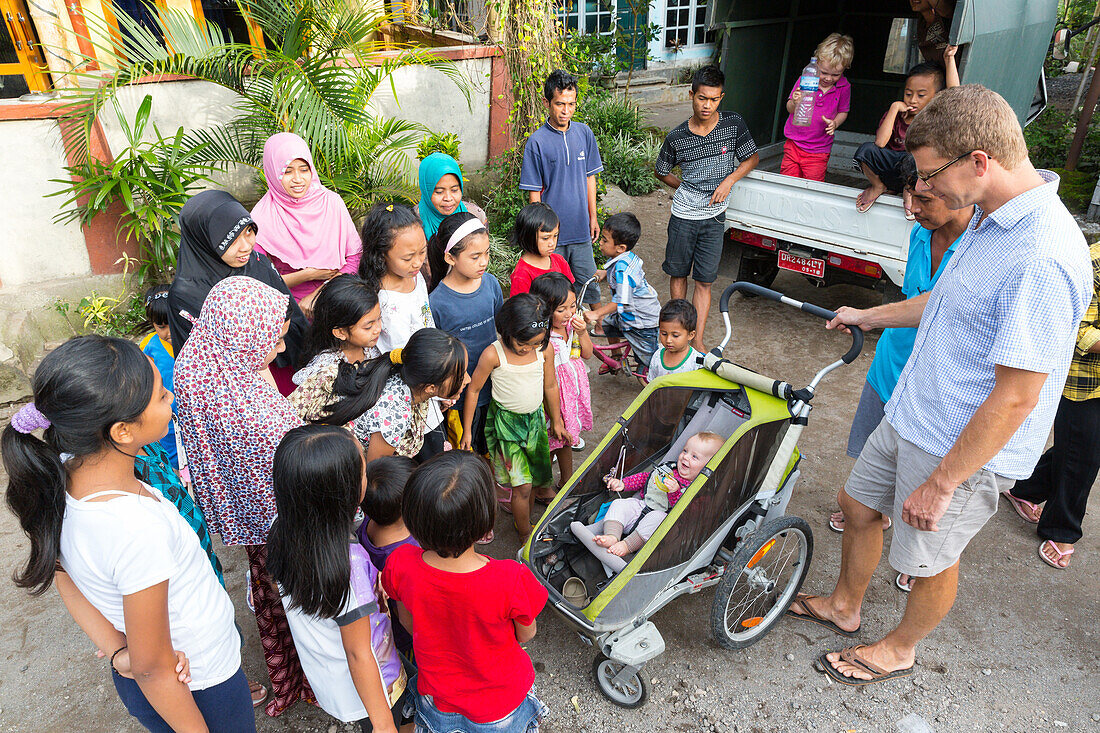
[{"x": 1019, "y": 651}]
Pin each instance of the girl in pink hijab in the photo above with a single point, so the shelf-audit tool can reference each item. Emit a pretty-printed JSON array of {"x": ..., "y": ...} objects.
[{"x": 304, "y": 228}]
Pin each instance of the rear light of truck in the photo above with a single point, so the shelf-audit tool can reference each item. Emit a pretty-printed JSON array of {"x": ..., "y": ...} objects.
[
  {"x": 753, "y": 239},
  {"x": 856, "y": 265}
]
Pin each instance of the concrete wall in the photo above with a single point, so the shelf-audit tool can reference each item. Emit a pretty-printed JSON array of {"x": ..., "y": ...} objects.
[
  {"x": 32, "y": 246},
  {"x": 427, "y": 96},
  {"x": 192, "y": 105}
]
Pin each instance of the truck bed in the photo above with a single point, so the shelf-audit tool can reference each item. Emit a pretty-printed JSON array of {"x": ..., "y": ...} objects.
[{"x": 821, "y": 217}]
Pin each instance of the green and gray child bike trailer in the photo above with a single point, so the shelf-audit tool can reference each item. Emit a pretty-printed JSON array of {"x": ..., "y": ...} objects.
[{"x": 729, "y": 529}]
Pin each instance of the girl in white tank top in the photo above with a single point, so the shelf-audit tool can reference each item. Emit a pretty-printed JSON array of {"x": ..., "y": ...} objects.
[{"x": 515, "y": 423}]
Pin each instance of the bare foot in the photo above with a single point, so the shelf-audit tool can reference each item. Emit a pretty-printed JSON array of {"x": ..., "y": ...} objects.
[
  {"x": 907, "y": 204},
  {"x": 605, "y": 540},
  {"x": 620, "y": 548},
  {"x": 821, "y": 605},
  {"x": 888, "y": 659},
  {"x": 547, "y": 493},
  {"x": 868, "y": 196}
]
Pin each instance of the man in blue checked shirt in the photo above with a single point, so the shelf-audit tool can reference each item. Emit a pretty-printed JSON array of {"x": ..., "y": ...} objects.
[{"x": 976, "y": 400}]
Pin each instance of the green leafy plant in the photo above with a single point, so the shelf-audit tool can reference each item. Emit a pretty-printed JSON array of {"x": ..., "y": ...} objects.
[
  {"x": 315, "y": 74},
  {"x": 122, "y": 314},
  {"x": 439, "y": 143},
  {"x": 502, "y": 260},
  {"x": 628, "y": 162},
  {"x": 151, "y": 179},
  {"x": 627, "y": 147}
]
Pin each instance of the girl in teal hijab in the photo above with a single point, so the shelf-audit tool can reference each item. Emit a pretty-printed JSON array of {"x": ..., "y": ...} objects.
[{"x": 439, "y": 175}]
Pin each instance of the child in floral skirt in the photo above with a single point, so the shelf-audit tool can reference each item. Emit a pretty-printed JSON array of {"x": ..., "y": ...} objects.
[
  {"x": 515, "y": 425},
  {"x": 567, "y": 327}
]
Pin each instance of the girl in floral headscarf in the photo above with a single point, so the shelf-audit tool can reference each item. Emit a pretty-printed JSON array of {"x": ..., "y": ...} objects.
[
  {"x": 304, "y": 227},
  {"x": 231, "y": 420}
]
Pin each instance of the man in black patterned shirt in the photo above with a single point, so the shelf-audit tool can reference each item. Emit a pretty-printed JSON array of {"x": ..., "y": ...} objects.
[{"x": 714, "y": 151}]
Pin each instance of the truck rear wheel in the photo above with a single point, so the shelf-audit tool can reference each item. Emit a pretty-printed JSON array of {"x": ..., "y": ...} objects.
[{"x": 755, "y": 267}]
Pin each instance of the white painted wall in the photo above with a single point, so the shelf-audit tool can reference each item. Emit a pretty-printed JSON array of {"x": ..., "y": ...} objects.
[
  {"x": 429, "y": 97},
  {"x": 33, "y": 247}
]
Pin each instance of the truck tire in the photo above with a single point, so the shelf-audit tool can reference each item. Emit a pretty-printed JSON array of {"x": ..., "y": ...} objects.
[
  {"x": 891, "y": 293},
  {"x": 756, "y": 268}
]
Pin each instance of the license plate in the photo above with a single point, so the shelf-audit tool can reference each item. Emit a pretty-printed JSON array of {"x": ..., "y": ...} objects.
[{"x": 804, "y": 265}]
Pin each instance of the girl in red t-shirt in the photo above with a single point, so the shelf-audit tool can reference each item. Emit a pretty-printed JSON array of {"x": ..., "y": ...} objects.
[
  {"x": 536, "y": 233},
  {"x": 468, "y": 613}
]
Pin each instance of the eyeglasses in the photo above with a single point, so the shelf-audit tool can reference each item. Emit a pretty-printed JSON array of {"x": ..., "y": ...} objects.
[{"x": 942, "y": 168}]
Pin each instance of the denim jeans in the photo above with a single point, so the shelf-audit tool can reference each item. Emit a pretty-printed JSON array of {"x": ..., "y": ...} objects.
[{"x": 524, "y": 719}]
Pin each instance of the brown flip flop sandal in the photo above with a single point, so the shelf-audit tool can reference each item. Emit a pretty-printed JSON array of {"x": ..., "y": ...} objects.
[
  {"x": 851, "y": 656},
  {"x": 814, "y": 617}
]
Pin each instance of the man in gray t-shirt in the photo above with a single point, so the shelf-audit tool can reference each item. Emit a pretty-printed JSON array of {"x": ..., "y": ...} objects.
[{"x": 714, "y": 150}]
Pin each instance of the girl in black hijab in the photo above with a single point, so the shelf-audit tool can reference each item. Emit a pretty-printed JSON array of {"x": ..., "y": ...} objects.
[{"x": 217, "y": 237}]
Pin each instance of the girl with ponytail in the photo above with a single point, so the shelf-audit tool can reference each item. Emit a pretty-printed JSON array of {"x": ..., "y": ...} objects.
[
  {"x": 386, "y": 399},
  {"x": 129, "y": 567}
]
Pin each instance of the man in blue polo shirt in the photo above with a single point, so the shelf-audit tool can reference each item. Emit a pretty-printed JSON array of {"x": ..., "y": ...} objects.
[{"x": 560, "y": 163}]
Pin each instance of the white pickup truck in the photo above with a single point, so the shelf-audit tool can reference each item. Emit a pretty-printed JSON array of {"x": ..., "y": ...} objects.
[
  {"x": 775, "y": 221},
  {"x": 813, "y": 228}
]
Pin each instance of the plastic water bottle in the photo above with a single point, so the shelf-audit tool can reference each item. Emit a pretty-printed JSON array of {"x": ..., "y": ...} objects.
[{"x": 803, "y": 114}]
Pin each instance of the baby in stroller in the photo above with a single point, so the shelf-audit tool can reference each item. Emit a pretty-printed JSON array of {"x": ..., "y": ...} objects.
[{"x": 660, "y": 489}]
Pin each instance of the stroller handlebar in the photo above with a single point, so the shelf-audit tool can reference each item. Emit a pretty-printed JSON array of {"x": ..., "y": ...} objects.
[{"x": 814, "y": 310}]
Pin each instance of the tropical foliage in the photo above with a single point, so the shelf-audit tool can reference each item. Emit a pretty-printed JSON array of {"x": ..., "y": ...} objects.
[
  {"x": 315, "y": 72},
  {"x": 150, "y": 179}
]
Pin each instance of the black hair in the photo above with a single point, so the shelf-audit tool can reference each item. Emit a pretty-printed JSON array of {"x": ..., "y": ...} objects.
[
  {"x": 83, "y": 387},
  {"x": 558, "y": 81},
  {"x": 533, "y": 218},
  {"x": 929, "y": 69},
  {"x": 438, "y": 243},
  {"x": 156, "y": 305},
  {"x": 449, "y": 503},
  {"x": 386, "y": 479},
  {"x": 708, "y": 76},
  {"x": 343, "y": 300},
  {"x": 431, "y": 357},
  {"x": 382, "y": 223},
  {"x": 553, "y": 288},
  {"x": 679, "y": 311},
  {"x": 317, "y": 476},
  {"x": 523, "y": 317},
  {"x": 625, "y": 229}
]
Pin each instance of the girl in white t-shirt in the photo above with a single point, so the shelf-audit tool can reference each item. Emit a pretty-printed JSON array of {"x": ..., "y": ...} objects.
[
  {"x": 394, "y": 253},
  {"x": 124, "y": 547},
  {"x": 330, "y": 588}
]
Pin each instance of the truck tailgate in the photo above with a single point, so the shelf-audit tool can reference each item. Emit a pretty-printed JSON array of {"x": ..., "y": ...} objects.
[{"x": 822, "y": 216}]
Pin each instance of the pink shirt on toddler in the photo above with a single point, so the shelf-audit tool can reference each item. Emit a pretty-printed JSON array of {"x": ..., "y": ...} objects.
[{"x": 830, "y": 103}]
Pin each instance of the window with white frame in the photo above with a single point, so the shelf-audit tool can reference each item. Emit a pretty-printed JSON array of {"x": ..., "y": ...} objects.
[
  {"x": 686, "y": 24},
  {"x": 587, "y": 16}
]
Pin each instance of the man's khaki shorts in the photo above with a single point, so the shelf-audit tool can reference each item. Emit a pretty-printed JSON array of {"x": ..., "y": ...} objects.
[{"x": 888, "y": 470}]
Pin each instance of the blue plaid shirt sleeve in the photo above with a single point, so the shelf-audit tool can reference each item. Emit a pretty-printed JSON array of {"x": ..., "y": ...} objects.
[
  {"x": 621, "y": 286},
  {"x": 1034, "y": 311}
]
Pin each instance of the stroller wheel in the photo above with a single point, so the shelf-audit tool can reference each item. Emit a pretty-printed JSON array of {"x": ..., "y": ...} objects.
[
  {"x": 625, "y": 690},
  {"x": 761, "y": 581}
]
